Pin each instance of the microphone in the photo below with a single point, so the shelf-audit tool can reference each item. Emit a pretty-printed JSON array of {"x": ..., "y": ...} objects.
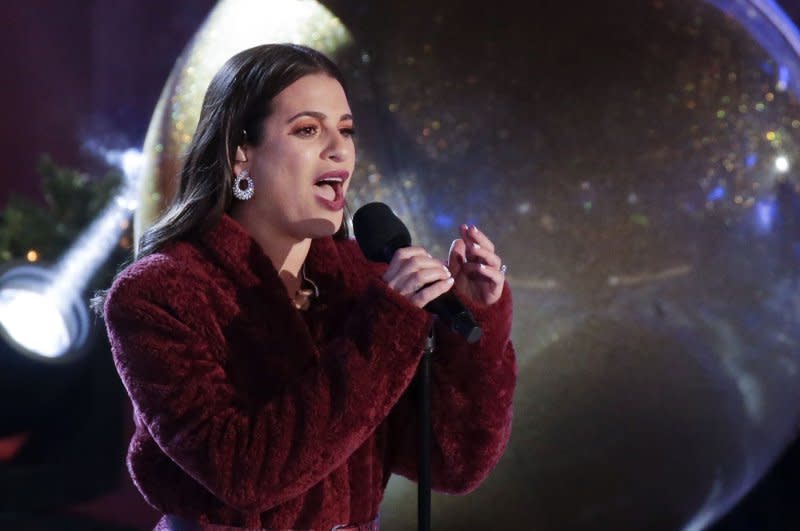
[{"x": 380, "y": 233}]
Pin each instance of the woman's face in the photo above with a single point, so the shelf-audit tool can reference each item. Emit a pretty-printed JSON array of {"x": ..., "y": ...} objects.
[{"x": 303, "y": 164}]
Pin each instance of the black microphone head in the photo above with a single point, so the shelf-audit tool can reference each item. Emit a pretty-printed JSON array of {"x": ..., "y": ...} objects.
[{"x": 379, "y": 232}]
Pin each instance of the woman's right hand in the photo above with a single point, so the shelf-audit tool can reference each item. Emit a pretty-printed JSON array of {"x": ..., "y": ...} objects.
[{"x": 418, "y": 276}]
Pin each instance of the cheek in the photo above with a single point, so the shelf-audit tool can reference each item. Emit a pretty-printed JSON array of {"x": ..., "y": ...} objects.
[
  {"x": 353, "y": 161},
  {"x": 294, "y": 160},
  {"x": 274, "y": 165}
]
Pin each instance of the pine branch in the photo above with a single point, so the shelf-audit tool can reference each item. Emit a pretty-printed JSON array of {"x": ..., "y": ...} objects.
[{"x": 72, "y": 200}]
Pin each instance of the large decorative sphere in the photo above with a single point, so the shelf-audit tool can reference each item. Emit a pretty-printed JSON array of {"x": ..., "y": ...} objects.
[{"x": 634, "y": 162}]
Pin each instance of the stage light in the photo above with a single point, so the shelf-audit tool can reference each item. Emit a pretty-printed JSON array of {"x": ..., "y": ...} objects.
[
  {"x": 34, "y": 322},
  {"x": 44, "y": 317},
  {"x": 60, "y": 397}
]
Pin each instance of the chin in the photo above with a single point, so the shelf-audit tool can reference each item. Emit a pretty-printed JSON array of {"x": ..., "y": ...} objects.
[{"x": 321, "y": 227}]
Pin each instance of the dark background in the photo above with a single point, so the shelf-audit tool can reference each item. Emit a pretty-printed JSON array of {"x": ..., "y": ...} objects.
[
  {"x": 83, "y": 70},
  {"x": 89, "y": 71}
]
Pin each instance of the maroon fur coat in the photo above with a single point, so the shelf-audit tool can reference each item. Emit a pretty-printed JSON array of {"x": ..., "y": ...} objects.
[{"x": 252, "y": 413}]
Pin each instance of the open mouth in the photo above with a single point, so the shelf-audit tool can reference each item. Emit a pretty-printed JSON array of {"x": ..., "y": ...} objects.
[{"x": 329, "y": 189}]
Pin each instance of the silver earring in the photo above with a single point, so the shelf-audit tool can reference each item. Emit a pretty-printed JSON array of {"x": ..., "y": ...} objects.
[{"x": 245, "y": 193}]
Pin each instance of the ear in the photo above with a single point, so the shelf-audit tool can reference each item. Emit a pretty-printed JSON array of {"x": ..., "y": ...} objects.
[{"x": 240, "y": 160}]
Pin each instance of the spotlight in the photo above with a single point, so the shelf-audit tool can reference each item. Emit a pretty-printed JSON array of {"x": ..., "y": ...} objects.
[
  {"x": 62, "y": 408},
  {"x": 44, "y": 322},
  {"x": 38, "y": 325},
  {"x": 43, "y": 345}
]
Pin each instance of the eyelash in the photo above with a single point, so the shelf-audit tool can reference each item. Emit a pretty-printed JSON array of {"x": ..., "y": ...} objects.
[{"x": 309, "y": 130}]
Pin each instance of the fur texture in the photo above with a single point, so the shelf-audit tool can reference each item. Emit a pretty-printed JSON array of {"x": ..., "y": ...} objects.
[{"x": 251, "y": 413}]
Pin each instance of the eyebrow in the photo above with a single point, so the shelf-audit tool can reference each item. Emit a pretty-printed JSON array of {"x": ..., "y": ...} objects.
[{"x": 318, "y": 115}]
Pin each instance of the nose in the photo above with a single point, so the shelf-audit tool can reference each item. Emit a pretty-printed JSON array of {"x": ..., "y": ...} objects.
[{"x": 338, "y": 148}]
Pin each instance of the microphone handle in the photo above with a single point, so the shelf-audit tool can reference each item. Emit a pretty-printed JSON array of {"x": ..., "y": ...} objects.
[{"x": 452, "y": 312}]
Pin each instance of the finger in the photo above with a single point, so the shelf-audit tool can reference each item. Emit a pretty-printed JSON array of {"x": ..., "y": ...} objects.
[
  {"x": 418, "y": 263},
  {"x": 456, "y": 256},
  {"x": 400, "y": 257},
  {"x": 473, "y": 234},
  {"x": 464, "y": 230},
  {"x": 483, "y": 256},
  {"x": 421, "y": 278},
  {"x": 424, "y": 296},
  {"x": 411, "y": 267},
  {"x": 481, "y": 271}
]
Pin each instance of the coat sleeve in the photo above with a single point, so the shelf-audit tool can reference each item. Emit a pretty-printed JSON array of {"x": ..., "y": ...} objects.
[
  {"x": 472, "y": 387},
  {"x": 254, "y": 458}
]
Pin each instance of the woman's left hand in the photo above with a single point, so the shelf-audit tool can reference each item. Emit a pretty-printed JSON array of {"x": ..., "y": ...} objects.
[{"x": 475, "y": 267}]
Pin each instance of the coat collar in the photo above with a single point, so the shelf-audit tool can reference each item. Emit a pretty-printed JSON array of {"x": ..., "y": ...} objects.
[{"x": 232, "y": 247}]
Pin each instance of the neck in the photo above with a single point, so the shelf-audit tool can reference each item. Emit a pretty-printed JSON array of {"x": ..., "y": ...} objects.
[{"x": 286, "y": 253}]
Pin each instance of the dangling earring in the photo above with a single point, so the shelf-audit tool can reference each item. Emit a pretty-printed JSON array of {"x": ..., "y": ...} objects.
[{"x": 249, "y": 186}]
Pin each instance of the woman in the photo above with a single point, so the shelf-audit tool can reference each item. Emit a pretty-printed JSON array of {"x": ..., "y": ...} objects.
[{"x": 267, "y": 361}]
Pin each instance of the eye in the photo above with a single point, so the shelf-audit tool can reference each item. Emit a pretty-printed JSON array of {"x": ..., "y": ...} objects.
[
  {"x": 306, "y": 130},
  {"x": 348, "y": 132}
]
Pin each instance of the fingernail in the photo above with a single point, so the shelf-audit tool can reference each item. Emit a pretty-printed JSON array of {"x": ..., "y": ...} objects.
[
  {"x": 450, "y": 280},
  {"x": 475, "y": 245},
  {"x": 483, "y": 266},
  {"x": 452, "y": 244},
  {"x": 473, "y": 228}
]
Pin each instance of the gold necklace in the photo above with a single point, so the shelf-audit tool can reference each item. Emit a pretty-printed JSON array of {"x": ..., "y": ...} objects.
[{"x": 302, "y": 297}]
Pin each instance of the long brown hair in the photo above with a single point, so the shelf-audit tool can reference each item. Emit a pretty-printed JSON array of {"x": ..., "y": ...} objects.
[{"x": 238, "y": 100}]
